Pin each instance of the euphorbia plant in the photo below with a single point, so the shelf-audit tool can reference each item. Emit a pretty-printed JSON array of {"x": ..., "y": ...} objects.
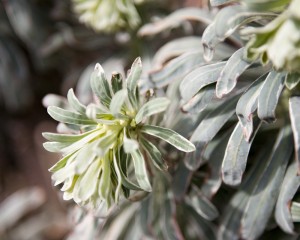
[{"x": 105, "y": 155}]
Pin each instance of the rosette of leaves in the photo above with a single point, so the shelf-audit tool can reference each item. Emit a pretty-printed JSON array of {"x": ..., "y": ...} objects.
[
  {"x": 278, "y": 41},
  {"x": 107, "y": 15},
  {"x": 247, "y": 118},
  {"x": 108, "y": 154}
]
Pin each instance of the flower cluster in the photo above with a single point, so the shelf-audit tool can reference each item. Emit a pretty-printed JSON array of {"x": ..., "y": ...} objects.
[
  {"x": 108, "y": 155},
  {"x": 278, "y": 41},
  {"x": 107, "y": 15}
]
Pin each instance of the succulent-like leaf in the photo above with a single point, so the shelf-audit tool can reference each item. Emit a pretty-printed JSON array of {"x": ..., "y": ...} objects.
[
  {"x": 234, "y": 67},
  {"x": 214, "y": 154},
  {"x": 175, "y": 48},
  {"x": 269, "y": 96},
  {"x": 265, "y": 193},
  {"x": 202, "y": 205},
  {"x": 292, "y": 80},
  {"x": 154, "y": 154},
  {"x": 207, "y": 129},
  {"x": 294, "y": 105},
  {"x": 290, "y": 185},
  {"x": 169, "y": 136},
  {"x": 181, "y": 181},
  {"x": 247, "y": 105},
  {"x": 176, "y": 68},
  {"x": 199, "y": 78},
  {"x": 132, "y": 81},
  {"x": 200, "y": 101},
  {"x": 236, "y": 155},
  {"x": 231, "y": 223}
]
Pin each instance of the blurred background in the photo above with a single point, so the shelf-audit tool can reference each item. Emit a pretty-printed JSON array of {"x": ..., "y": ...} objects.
[{"x": 44, "y": 51}]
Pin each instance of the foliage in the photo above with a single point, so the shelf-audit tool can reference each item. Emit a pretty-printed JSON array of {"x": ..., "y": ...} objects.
[{"x": 239, "y": 97}]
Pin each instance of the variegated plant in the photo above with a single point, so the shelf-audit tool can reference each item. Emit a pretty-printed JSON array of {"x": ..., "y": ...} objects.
[
  {"x": 107, "y": 15},
  {"x": 108, "y": 153},
  {"x": 245, "y": 94}
]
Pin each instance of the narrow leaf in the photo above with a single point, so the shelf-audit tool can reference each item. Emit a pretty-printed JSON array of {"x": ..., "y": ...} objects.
[
  {"x": 154, "y": 154},
  {"x": 181, "y": 181},
  {"x": 199, "y": 78},
  {"x": 141, "y": 171},
  {"x": 119, "y": 178},
  {"x": 236, "y": 155},
  {"x": 175, "y": 48},
  {"x": 202, "y": 205},
  {"x": 214, "y": 154},
  {"x": 74, "y": 102},
  {"x": 200, "y": 101},
  {"x": 152, "y": 107},
  {"x": 269, "y": 96},
  {"x": 294, "y": 106},
  {"x": 132, "y": 80},
  {"x": 122, "y": 163},
  {"x": 290, "y": 185},
  {"x": 117, "y": 102},
  {"x": 234, "y": 67},
  {"x": 169, "y": 136},
  {"x": 263, "y": 198},
  {"x": 177, "y": 68},
  {"x": 247, "y": 105},
  {"x": 66, "y": 116},
  {"x": 67, "y": 138},
  {"x": 207, "y": 129},
  {"x": 100, "y": 85},
  {"x": 105, "y": 181},
  {"x": 174, "y": 20},
  {"x": 87, "y": 183}
]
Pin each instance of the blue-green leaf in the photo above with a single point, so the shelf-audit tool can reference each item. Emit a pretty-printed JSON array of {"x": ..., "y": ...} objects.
[
  {"x": 236, "y": 155},
  {"x": 247, "y": 105},
  {"x": 154, "y": 154},
  {"x": 263, "y": 198},
  {"x": 234, "y": 67},
  {"x": 269, "y": 96},
  {"x": 291, "y": 184},
  {"x": 294, "y": 106},
  {"x": 207, "y": 129},
  {"x": 199, "y": 78}
]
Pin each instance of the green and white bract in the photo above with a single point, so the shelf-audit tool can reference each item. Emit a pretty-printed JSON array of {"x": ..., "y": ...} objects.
[{"x": 106, "y": 159}]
